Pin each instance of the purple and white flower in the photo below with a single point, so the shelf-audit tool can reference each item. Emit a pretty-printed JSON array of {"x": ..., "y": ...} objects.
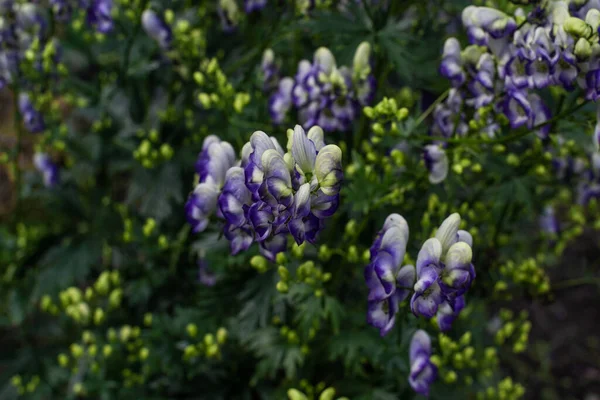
[{"x": 422, "y": 371}]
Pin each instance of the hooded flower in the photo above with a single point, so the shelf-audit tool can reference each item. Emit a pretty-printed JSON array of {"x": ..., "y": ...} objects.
[
  {"x": 324, "y": 94},
  {"x": 422, "y": 371},
  {"x": 388, "y": 283},
  {"x": 213, "y": 163},
  {"x": 452, "y": 66},
  {"x": 448, "y": 311},
  {"x": 436, "y": 162},
  {"x": 444, "y": 269},
  {"x": 44, "y": 164},
  {"x": 157, "y": 29},
  {"x": 33, "y": 120},
  {"x": 254, "y": 5},
  {"x": 99, "y": 15}
]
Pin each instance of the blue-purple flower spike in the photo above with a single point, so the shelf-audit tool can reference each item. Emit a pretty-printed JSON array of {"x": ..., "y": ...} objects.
[{"x": 324, "y": 94}]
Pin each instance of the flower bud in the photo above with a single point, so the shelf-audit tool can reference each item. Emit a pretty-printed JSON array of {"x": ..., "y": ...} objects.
[
  {"x": 282, "y": 287},
  {"x": 294, "y": 394},
  {"x": 221, "y": 335},
  {"x": 192, "y": 329},
  {"x": 63, "y": 360},
  {"x": 327, "y": 394},
  {"x": 583, "y": 49},
  {"x": 360, "y": 64},
  {"x": 577, "y": 27}
]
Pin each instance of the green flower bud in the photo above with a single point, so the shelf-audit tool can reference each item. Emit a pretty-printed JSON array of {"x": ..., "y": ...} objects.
[
  {"x": 577, "y": 27},
  {"x": 221, "y": 335},
  {"x": 212, "y": 351},
  {"x": 294, "y": 394},
  {"x": 148, "y": 319},
  {"x": 583, "y": 49},
  {"x": 114, "y": 300},
  {"x": 125, "y": 333},
  {"x": 284, "y": 274},
  {"x": 63, "y": 360},
  {"x": 192, "y": 329},
  {"x": 76, "y": 350},
  {"x": 327, "y": 394},
  {"x": 282, "y": 287},
  {"x": 98, "y": 316},
  {"x": 107, "y": 350},
  {"x": 144, "y": 353},
  {"x": 209, "y": 339}
]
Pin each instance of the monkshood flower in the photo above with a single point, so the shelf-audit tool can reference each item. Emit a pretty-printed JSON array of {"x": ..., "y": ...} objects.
[
  {"x": 49, "y": 170},
  {"x": 213, "y": 162},
  {"x": 292, "y": 191},
  {"x": 452, "y": 66},
  {"x": 157, "y": 29},
  {"x": 99, "y": 15},
  {"x": 549, "y": 222},
  {"x": 281, "y": 101},
  {"x": 270, "y": 74},
  {"x": 422, "y": 371},
  {"x": 254, "y": 5},
  {"x": 436, "y": 162},
  {"x": 483, "y": 23},
  {"x": 33, "y": 120},
  {"x": 444, "y": 269},
  {"x": 323, "y": 93},
  {"x": 388, "y": 284},
  {"x": 205, "y": 275},
  {"x": 448, "y": 311},
  {"x": 269, "y": 193}
]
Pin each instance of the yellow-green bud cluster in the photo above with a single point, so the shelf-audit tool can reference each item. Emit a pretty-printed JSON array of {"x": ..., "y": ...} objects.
[
  {"x": 460, "y": 356},
  {"x": 386, "y": 117},
  {"x": 89, "y": 306},
  {"x": 215, "y": 90},
  {"x": 22, "y": 387},
  {"x": 527, "y": 274},
  {"x": 189, "y": 42},
  {"x": 462, "y": 162},
  {"x": 307, "y": 273},
  {"x": 506, "y": 390},
  {"x": 150, "y": 152},
  {"x": 209, "y": 347},
  {"x": 514, "y": 331}
]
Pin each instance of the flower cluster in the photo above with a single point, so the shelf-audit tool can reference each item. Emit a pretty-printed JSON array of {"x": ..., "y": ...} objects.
[
  {"x": 324, "y": 94},
  {"x": 509, "y": 59},
  {"x": 443, "y": 274},
  {"x": 268, "y": 193},
  {"x": 23, "y": 25}
]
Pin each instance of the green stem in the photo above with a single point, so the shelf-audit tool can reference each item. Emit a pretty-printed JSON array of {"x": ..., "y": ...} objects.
[
  {"x": 430, "y": 109},
  {"x": 505, "y": 139}
]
